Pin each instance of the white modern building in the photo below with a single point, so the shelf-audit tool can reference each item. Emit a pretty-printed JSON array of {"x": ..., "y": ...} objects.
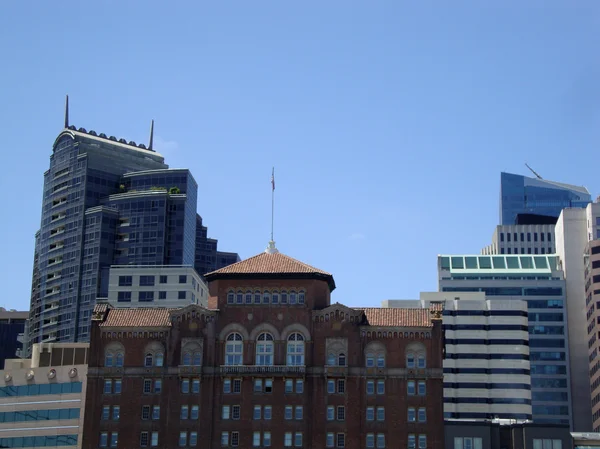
[
  {"x": 486, "y": 366},
  {"x": 42, "y": 399},
  {"x": 155, "y": 286},
  {"x": 539, "y": 281},
  {"x": 522, "y": 239}
]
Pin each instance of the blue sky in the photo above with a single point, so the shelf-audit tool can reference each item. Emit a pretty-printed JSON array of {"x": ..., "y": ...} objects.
[{"x": 388, "y": 122}]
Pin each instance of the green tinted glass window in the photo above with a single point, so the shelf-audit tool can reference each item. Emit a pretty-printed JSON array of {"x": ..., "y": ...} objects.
[
  {"x": 498, "y": 262},
  {"x": 526, "y": 262},
  {"x": 457, "y": 262},
  {"x": 485, "y": 263},
  {"x": 471, "y": 262},
  {"x": 445, "y": 264},
  {"x": 513, "y": 263},
  {"x": 541, "y": 262}
]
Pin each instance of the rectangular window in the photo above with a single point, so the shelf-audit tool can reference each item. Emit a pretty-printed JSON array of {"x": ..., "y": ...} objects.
[
  {"x": 258, "y": 385},
  {"x": 125, "y": 281},
  {"x": 226, "y": 386},
  {"x": 116, "y": 414},
  {"x": 224, "y": 439},
  {"x": 380, "y": 440},
  {"x": 534, "y": 239},
  {"x": 422, "y": 389},
  {"x": 257, "y": 412},
  {"x": 330, "y": 440},
  {"x": 156, "y": 412},
  {"x": 522, "y": 237},
  {"x": 146, "y": 281},
  {"x": 145, "y": 296},
  {"x": 299, "y": 412},
  {"x": 380, "y": 413},
  {"x": 287, "y": 439},
  {"x": 235, "y": 439},
  {"x": 117, "y": 386},
  {"x": 330, "y": 386},
  {"x": 147, "y": 386},
  {"x": 289, "y": 386},
  {"x": 341, "y": 384},
  {"x": 370, "y": 414},
  {"x": 370, "y": 387},
  {"x": 411, "y": 388},
  {"x": 182, "y": 279},
  {"x": 226, "y": 412},
  {"x": 341, "y": 413},
  {"x": 422, "y": 415},
  {"x": 235, "y": 412},
  {"x": 103, "y": 439},
  {"x": 267, "y": 439},
  {"x": 185, "y": 412},
  {"x": 341, "y": 440},
  {"x": 268, "y": 385},
  {"x": 381, "y": 387},
  {"x": 412, "y": 441},
  {"x": 114, "y": 439},
  {"x": 237, "y": 385},
  {"x": 529, "y": 236},
  {"x": 422, "y": 441},
  {"x": 267, "y": 411},
  {"x": 185, "y": 385},
  {"x": 107, "y": 386},
  {"x": 163, "y": 279},
  {"x": 162, "y": 295},
  {"x": 299, "y": 386},
  {"x": 196, "y": 386},
  {"x": 330, "y": 413},
  {"x": 256, "y": 439},
  {"x": 412, "y": 416},
  {"x": 144, "y": 439},
  {"x": 288, "y": 412},
  {"x": 145, "y": 412},
  {"x": 182, "y": 439},
  {"x": 195, "y": 413},
  {"x": 298, "y": 439},
  {"x": 181, "y": 295},
  {"x": 106, "y": 412},
  {"x": 157, "y": 385},
  {"x": 124, "y": 296},
  {"x": 370, "y": 440},
  {"x": 154, "y": 439},
  {"x": 193, "y": 439}
]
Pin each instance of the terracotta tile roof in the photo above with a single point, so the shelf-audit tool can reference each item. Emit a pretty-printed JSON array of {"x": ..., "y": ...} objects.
[
  {"x": 266, "y": 263},
  {"x": 398, "y": 317},
  {"x": 142, "y": 317}
]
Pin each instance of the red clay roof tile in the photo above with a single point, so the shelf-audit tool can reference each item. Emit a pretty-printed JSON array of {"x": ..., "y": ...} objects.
[
  {"x": 398, "y": 317},
  {"x": 138, "y": 317},
  {"x": 266, "y": 263}
]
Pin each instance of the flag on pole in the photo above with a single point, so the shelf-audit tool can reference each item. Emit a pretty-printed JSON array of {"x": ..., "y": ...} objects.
[{"x": 273, "y": 179}]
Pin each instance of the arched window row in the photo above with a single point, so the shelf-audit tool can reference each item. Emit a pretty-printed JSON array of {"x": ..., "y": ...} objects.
[
  {"x": 264, "y": 354},
  {"x": 384, "y": 334},
  {"x": 335, "y": 358},
  {"x": 114, "y": 358},
  {"x": 416, "y": 359},
  {"x": 375, "y": 359},
  {"x": 192, "y": 358},
  {"x": 154, "y": 355},
  {"x": 256, "y": 296}
]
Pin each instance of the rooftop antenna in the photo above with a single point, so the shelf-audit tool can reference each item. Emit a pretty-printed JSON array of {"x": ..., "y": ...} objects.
[
  {"x": 67, "y": 112},
  {"x": 271, "y": 249},
  {"x": 533, "y": 171},
  {"x": 151, "y": 135}
]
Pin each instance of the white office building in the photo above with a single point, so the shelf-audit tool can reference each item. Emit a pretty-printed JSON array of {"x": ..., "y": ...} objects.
[
  {"x": 522, "y": 239},
  {"x": 539, "y": 281},
  {"x": 155, "y": 286},
  {"x": 486, "y": 366},
  {"x": 42, "y": 399}
]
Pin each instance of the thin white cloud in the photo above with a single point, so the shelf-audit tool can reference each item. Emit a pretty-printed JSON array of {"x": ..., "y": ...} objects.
[
  {"x": 357, "y": 236},
  {"x": 165, "y": 147}
]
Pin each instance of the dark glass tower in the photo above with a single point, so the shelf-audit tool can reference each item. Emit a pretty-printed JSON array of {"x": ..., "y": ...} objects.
[
  {"x": 105, "y": 202},
  {"x": 522, "y": 195}
]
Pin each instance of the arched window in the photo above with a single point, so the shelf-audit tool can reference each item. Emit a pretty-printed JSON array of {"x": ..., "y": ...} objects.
[
  {"x": 293, "y": 297},
  {"x": 410, "y": 360},
  {"x": 159, "y": 359},
  {"x": 230, "y": 297},
  {"x": 119, "y": 359},
  {"x": 331, "y": 359},
  {"x": 148, "y": 359},
  {"x": 197, "y": 361},
  {"x": 108, "y": 358},
  {"x": 264, "y": 349},
  {"x": 301, "y": 297},
  {"x": 342, "y": 359},
  {"x": 284, "y": 297},
  {"x": 187, "y": 358},
  {"x": 257, "y": 297},
  {"x": 266, "y": 297},
  {"x": 275, "y": 297},
  {"x": 248, "y": 297},
  {"x": 416, "y": 355},
  {"x": 421, "y": 361},
  {"x": 114, "y": 354},
  {"x": 234, "y": 349},
  {"x": 295, "y": 349},
  {"x": 239, "y": 297}
]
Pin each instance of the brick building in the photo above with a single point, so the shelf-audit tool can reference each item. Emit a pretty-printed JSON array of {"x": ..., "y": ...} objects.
[{"x": 270, "y": 363}]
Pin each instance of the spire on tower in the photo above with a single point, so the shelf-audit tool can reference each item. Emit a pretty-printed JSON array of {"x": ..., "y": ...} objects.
[
  {"x": 151, "y": 135},
  {"x": 67, "y": 112}
]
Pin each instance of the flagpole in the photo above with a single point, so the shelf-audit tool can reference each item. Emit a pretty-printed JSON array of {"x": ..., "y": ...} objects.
[{"x": 272, "y": 201}]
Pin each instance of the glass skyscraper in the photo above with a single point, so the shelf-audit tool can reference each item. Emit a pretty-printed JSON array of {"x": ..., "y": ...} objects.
[
  {"x": 523, "y": 195},
  {"x": 106, "y": 202}
]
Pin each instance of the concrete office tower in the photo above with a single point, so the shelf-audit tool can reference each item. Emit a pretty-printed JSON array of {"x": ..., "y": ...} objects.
[
  {"x": 539, "y": 281},
  {"x": 486, "y": 363},
  {"x": 522, "y": 239},
  {"x": 42, "y": 399},
  {"x": 105, "y": 202},
  {"x": 575, "y": 230},
  {"x": 155, "y": 286},
  {"x": 521, "y": 197},
  {"x": 592, "y": 292}
]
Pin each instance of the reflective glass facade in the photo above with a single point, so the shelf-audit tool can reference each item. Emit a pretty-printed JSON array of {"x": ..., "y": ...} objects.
[{"x": 523, "y": 195}]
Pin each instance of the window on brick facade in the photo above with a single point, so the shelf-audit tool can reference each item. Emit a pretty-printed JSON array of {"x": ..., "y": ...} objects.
[
  {"x": 381, "y": 387},
  {"x": 380, "y": 440},
  {"x": 287, "y": 412},
  {"x": 341, "y": 386},
  {"x": 299, "y": 386},
  {"x": 195, "y": 412},
  {"x": 226, "y": 412},
  {"x": 234, "y": 349},
  {"x": 331, "y": 386},
  {"x": 184, "y": 414},
  {"x": 287, "y": 439},
  {"x": 235, "y": 412},
  {"x": 295, "y": 349},
  {"x": 330, "y": 440},
  {"x": 422, "y": 415},
  {"x": 412, "y": 415},
  {"x": 264, "y": 349},
  {"x": 341, "y": 413},
  {"x": 370, "y": 414},
  {"x": 411, "y": 387},
  {"x": 422, "y": 441},
  {"x": 267, "y": 412},
  {"x": 422, "y": 389},
  {"x": 380, "y": 413},
  {"x": 341, "y": 440},
  {"x": 330, "y": 413}
]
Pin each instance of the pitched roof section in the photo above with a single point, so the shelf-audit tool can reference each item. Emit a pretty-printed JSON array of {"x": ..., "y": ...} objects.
[
  {"x": 142, "y": 317},
  {"x": 398, "y": 317},
  {"x": 266, "y": 265}
]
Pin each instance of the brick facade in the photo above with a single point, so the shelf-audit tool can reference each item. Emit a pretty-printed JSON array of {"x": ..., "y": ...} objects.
[{"x": 331, "y": 334}]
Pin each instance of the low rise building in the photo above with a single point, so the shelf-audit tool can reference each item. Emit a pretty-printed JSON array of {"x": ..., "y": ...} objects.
[{"x": 42, "y": 399}]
